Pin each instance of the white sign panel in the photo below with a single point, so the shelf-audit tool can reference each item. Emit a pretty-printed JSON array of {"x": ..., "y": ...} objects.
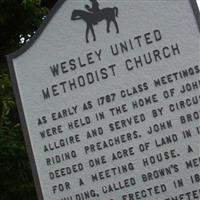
[{"x": 108, "y": 94}]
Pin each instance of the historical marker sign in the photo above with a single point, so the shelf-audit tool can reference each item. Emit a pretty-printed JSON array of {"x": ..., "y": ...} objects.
[{"x": 108, "y": 94}]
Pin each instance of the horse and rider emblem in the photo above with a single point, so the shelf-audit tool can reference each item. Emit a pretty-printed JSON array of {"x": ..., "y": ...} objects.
[{"x": 93, "y": 15}]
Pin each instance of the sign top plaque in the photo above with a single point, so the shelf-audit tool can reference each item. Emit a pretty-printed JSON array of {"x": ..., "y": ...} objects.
[{"x": 108, "y": 96}]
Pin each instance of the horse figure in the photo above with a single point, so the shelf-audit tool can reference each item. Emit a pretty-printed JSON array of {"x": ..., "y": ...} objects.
[{"x": 109, "y": 14}]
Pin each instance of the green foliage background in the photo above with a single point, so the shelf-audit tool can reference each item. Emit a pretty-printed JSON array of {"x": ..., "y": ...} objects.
[{"x": 19, "y": 19}]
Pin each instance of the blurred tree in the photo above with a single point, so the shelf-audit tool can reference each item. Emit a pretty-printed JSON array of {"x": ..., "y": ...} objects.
[{"x": 19, "y": 19}]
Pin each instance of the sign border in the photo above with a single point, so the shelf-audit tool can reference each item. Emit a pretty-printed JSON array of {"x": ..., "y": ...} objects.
[
  {"x": 18, "y": 97},
  {"x": 23, "y": 49}
]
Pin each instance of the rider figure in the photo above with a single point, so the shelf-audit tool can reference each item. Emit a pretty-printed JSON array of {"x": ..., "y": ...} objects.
[{"x": 94, "y": 9}]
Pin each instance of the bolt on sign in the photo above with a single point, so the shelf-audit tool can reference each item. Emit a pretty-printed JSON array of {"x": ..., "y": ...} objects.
[{"x": 108, "y": 95}]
